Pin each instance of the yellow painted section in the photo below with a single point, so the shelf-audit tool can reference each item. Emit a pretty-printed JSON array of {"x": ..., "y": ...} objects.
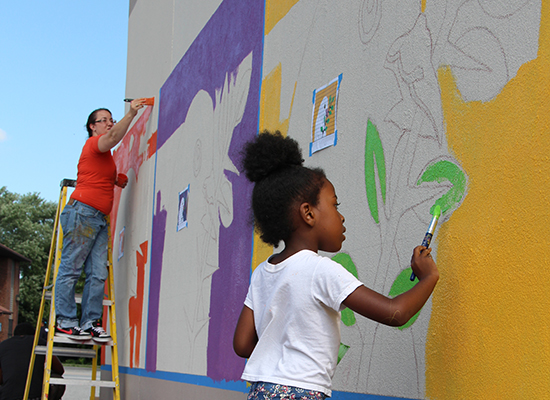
[
  {"x": 270, "y": 102},
  {"x": 275, "y": 10},
  {"x": 489, "y": 335},
  {"x": 260, "y": 251},
  {"x": 270, "y": 111}
]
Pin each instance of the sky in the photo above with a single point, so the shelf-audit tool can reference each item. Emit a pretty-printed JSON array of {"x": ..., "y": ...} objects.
[{"x": 59, "y": 61}]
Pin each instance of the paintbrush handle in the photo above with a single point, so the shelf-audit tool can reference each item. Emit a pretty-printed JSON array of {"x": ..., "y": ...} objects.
[{"x": 428, "y": 237}]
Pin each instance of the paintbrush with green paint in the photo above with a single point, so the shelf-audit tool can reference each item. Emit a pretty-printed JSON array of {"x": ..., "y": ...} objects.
[{"x": 430, "y": 233}]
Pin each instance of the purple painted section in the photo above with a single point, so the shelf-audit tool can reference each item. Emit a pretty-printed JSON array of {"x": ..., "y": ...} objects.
[
  {"x": 157, "y": 250},
  {"x": 234, "y": 31},
  {"x": 229, "y": 286}
]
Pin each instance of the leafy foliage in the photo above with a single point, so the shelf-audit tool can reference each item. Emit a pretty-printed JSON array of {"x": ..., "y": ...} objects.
[{"x": 26, "y": 226}]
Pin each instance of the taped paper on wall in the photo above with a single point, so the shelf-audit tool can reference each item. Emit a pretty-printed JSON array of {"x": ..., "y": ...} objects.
[
  {"x": 182, "y": 209},
  {"x": 323, "y": 120}
]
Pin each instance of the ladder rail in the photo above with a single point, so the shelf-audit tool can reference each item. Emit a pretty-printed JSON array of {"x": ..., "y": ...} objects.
[
  {"x": 112, "y": 320},
  {"x": 51, "y": 324},
  {"x": 53, "y": 245},
  {"x": 94, "y": 374},
  {"x": 110, "y": 309}
]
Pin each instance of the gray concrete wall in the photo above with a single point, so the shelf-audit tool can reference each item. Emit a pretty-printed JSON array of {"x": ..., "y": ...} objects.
[{"x": 435, "y": 103}]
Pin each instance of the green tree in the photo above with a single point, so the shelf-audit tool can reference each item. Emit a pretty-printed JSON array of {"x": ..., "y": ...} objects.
[{"x": 26, "y": 226}]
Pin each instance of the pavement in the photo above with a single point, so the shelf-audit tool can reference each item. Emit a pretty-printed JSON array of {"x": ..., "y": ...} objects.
[{"x": 78, "y": 392}]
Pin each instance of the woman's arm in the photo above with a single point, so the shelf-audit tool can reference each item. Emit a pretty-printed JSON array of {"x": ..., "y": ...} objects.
[
  {"x": 398, "y": 311},
  {"x": 245, "y": 338},
  {"x": 110, "y": 139}
]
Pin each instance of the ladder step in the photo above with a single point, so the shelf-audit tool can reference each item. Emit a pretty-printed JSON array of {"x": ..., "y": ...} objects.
[
  {"x": 78, "y": 298},
  {"x": 67, "y": 352},
  {"x": 91, "y": 342},
  {"x": 82, "y": 382}
]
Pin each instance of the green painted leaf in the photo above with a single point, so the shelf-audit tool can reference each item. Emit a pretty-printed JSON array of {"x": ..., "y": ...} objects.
[
  {"x": 342, "y": 352},
  {"x": 374, "y": 152},
  {"x": 446, "y": 171},
  {"x": 401, "y": 284},
  {"x": 348, "y": 316}
]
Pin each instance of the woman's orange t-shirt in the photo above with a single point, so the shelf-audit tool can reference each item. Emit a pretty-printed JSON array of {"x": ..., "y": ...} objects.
[{"x": 96, "y": 177}]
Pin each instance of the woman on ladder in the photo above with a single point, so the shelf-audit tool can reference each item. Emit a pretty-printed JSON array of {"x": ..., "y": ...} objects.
[{"x": 85, "y": 228}]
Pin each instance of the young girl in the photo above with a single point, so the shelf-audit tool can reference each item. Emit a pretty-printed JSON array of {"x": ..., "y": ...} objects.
[{"x": 289, "y": 327}]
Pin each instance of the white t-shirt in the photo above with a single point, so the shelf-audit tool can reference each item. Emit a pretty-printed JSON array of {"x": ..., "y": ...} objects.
[{"x": 297, "y": 306}]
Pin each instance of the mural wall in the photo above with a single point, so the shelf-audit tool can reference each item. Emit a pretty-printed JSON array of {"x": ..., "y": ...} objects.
[{"x": 406, "y": 105}]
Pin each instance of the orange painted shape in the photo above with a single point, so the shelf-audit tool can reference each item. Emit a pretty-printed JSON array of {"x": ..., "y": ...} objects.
[
  {"x": 135, "y": 306},
  {"x": 152, "y": 145}
]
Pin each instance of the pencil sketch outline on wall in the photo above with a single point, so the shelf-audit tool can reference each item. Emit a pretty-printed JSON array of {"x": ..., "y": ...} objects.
[
  {"x": 217, "y": 192},
  {"x": 369, "y": 19},
  {"x": 394, "y": 189}
]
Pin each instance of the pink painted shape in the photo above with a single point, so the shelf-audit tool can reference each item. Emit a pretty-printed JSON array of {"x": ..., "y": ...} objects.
[{"x": 126, "y": 158}]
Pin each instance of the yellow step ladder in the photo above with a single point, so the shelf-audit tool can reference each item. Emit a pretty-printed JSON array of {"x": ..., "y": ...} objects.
[{"x": 91, "y": 350}]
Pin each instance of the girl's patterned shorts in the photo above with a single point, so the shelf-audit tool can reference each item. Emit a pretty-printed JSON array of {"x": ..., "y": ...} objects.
[{"x": 271, "y": 391}]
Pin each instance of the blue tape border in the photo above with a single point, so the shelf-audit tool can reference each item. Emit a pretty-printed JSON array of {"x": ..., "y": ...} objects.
[{"x": 235, "y": 386}]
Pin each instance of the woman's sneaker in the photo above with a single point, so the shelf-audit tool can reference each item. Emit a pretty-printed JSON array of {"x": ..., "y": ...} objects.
[
  {"x": 74, "y": 333},
  {"x": 98, "y": 333}
]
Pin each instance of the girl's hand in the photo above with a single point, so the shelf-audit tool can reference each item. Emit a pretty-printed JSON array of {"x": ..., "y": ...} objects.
[
  {"x": 422, "y": 263},
  {"x": 400, "y": 309}
]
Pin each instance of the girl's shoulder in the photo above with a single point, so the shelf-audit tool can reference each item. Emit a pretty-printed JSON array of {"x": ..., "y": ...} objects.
[
  {"x": 301, "y": 257},
  {"x": 303, "y": 262},
  {"x": 300, "y": 260}
]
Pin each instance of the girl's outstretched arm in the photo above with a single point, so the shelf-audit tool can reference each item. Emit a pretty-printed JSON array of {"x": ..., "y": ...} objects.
[
  {"x": 397, "y": 311},
  {"x": 245, "y": 338}
]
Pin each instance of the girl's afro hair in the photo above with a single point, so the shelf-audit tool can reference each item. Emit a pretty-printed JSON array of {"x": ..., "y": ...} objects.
[
  {"x": 274, "y": 163},
  {"x": 270, "y": 153}
]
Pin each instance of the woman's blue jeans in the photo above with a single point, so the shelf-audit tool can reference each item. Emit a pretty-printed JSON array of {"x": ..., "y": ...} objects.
[{"x": 85, "y": 245}]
